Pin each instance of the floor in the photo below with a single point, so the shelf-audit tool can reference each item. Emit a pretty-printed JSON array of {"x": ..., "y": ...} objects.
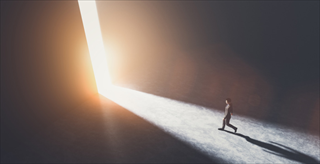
[
  {"x": 128, "y": 126},
  {"x": 197, "y": 126}
]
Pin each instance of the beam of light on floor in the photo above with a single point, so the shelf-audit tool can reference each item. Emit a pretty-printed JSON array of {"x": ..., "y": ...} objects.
[
  {"x": 256, "y": 142},
  {"x": 92, "y": 29}
]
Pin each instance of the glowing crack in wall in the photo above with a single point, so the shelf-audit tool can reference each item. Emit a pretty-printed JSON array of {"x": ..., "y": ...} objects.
[{"x": 92, "y": 29}]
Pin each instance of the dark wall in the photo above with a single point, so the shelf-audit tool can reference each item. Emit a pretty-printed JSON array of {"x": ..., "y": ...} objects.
[
  {"x": 263, "y": 55},
  {"x": 45, "y": 68}
]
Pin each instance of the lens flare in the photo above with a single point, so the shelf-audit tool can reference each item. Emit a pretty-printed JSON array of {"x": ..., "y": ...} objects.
[{"x": 92, "y": 29}]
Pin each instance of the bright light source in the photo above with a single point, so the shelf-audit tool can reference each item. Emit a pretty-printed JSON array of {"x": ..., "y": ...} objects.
[{"x": 92, "y": 29}]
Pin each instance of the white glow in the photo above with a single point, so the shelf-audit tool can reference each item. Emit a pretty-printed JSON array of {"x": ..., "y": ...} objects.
[
  {"x": 91, "y": 25},
  {"x": 197, "y": 126}
]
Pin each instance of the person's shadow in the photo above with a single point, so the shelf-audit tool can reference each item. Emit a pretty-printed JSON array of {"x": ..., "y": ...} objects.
[{"x": 279, "y": 149}]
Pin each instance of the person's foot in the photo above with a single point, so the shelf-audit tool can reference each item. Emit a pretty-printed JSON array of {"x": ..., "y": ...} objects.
[
  {"x": 235, "y": 130},
  {"x": 220, "y": 129}
]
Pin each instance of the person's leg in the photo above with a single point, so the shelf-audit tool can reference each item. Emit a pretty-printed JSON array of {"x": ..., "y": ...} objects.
[
  {"x": 230, "y": 125},
  {"x": 223, "y": 124}
]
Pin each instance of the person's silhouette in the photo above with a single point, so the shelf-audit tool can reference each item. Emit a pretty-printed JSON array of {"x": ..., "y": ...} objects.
[{"x": 227, "y": 116}]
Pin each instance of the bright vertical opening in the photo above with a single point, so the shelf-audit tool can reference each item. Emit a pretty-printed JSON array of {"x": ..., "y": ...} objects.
[{"x": 90, "y": 20}]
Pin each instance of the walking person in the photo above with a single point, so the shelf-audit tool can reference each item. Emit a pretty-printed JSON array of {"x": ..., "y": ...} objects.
[{"x": 227, "y": 116}]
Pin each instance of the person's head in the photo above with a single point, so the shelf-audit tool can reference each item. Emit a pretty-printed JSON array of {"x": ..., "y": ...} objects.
[{"x": 228, "y": 100}]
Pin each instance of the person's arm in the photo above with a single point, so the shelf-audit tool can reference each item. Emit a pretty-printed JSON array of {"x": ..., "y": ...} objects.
[{"x": 226, "y": 112}]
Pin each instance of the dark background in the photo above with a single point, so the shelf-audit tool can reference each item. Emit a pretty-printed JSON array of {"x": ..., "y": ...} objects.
[{"x": 263, "y": 55}]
